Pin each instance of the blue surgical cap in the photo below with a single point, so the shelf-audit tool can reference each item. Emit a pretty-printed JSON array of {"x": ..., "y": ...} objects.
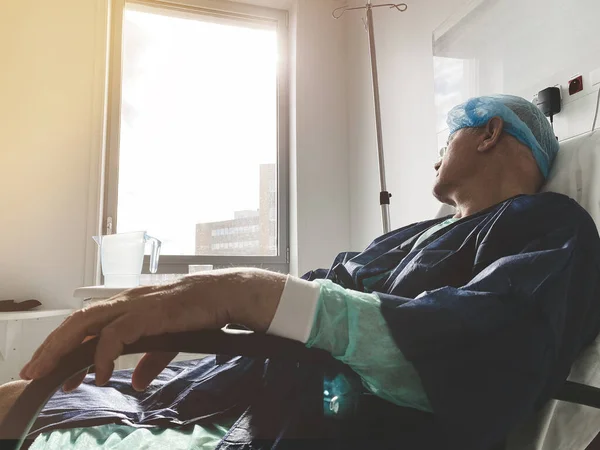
[{"x": 522, "y": 119}]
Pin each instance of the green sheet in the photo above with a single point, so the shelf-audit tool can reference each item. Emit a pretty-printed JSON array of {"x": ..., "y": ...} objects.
[{"x": 122, "y": 437}]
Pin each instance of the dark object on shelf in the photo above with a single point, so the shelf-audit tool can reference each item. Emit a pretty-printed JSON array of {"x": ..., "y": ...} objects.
[{"x": 12, "y": 306}]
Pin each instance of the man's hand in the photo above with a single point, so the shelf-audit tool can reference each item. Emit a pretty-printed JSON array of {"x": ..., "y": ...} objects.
[{"x": 205, "y": 301}]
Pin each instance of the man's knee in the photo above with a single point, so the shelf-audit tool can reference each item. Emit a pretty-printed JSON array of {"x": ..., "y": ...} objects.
[{"x": 9, "y": 394}]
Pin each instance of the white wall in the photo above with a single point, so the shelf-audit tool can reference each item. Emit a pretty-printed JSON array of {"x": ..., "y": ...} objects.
[
  {"x": 52, "y": 88},
  {"x": 528, "y": 59},
  {"x": 320, "y": 203},
  {"x": 50, "y": 133},
  {"x": 404, "y": 50}
]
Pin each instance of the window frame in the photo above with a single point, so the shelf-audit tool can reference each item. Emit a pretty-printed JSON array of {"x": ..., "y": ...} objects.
[{"x": 279, "y": 19}]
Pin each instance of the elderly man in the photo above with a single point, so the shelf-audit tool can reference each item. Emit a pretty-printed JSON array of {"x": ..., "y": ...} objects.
[{"x": 456, "y": 329}]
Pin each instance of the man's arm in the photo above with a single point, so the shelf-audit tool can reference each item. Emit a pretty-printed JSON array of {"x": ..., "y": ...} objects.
[
  {"x": 262, "y": 301},
  {"x": 349, "y": 325},
  {"x": 248, "y": 297}
]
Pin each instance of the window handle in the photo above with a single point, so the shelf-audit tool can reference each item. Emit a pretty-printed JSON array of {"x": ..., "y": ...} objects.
[{"x": 109, "y": 225}]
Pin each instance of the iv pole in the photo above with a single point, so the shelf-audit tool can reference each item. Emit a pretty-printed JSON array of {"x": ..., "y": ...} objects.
[{"x": 384, "y": 196}]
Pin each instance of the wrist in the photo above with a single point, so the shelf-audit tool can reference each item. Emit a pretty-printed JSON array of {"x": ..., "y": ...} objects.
[{"x": 257, "y": 297}]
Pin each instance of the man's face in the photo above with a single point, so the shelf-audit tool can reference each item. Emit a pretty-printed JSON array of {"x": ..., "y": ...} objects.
[{"x": 457, "y": 164}]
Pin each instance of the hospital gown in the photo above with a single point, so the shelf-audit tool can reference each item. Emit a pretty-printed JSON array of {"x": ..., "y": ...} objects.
[{"x": 487, "y": 316}]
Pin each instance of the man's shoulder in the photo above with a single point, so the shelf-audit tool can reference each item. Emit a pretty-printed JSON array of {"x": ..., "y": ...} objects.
[
  {"x": 540, "y": 221},
  {"x": 551, "y": 210},
  {"x": 558, "y": 206}
]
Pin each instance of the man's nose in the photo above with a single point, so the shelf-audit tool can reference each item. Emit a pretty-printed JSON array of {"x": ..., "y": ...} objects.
[{"x": 437, "y": 165}]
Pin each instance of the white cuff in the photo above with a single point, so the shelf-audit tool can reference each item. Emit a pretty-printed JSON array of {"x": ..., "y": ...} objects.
[{"x": 296, "y": 311}]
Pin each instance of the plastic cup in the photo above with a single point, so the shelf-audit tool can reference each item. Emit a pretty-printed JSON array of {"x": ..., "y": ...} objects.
[{"x": 197, "y": 268}]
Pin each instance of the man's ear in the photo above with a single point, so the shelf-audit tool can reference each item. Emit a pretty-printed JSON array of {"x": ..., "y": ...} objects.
[{"x": 492, "y": 132}]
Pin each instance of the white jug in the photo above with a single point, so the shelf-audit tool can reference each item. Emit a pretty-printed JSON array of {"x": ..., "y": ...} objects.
[{"x": 122, "y": 257}]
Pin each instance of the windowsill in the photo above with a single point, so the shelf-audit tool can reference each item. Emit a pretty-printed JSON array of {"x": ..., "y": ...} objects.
[
  {"x": 103, "y": 292},
  {"x": 97, "y": 292}
]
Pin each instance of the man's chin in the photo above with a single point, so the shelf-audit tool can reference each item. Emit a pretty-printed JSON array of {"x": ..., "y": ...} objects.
[{"x": 440, "y": 192}]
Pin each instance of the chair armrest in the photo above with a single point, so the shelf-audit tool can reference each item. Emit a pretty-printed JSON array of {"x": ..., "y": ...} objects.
[
  {"x": 22, "y": 415},
  {"x": 579, "y": 393}
]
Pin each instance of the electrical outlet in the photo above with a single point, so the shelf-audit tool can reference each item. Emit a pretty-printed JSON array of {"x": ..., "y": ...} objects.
[{"x": 575, "y": 85}]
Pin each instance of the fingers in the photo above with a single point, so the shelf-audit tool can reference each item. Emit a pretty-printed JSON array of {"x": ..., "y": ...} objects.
[
  {"x": 149, "y": 367},
  {"x": 125, "y": 330},
  {"x": 123, "y": 320},
  {"x": 69, "y": 335},
  {"x": 74, "y": 382},
  {"x": 24, "y": 371},
  {"x": 60, "y": 342},
  {"x": 104, "y": 373}
]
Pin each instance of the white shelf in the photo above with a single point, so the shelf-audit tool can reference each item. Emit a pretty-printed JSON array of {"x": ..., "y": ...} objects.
[
  {"x": 12, "y": 324},
  {"x": 35, "y": 314}
]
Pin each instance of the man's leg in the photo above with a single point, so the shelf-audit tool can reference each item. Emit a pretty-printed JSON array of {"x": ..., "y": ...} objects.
[{"x": 9, "y": 394}]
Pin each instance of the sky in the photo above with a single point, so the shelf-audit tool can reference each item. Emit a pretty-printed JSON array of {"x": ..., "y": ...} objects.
[{"x": 199, "y": 116}]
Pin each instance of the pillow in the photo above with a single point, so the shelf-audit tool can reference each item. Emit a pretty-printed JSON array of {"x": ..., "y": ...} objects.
[
  {"x": 562, "y": 425},
  {"x": 576, "y": 172}
]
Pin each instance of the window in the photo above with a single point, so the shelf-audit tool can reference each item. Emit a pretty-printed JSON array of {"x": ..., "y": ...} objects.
[{"x": 197, "y": 148}]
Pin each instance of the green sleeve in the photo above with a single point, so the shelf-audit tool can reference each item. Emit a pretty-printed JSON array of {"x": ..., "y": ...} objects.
[{"x": 350, "y": 326}]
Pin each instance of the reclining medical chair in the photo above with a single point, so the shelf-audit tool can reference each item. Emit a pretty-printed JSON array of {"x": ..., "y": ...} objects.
[{"x": 571, "y": 421}]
